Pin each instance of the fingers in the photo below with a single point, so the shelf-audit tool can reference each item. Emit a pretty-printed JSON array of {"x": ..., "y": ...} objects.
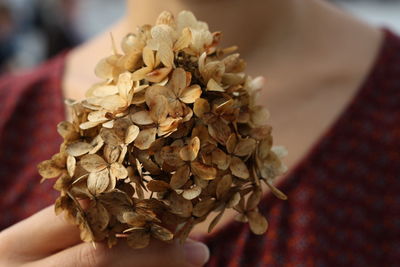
[
  {"x": 157, "y": 254},
  {"x": 40, "y": 235}
]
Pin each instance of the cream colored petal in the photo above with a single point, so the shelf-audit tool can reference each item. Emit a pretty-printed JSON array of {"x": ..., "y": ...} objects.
[
  {"x": 93, "y": 163},
  {"x": 212, "y": 85},
  {"x": 89, "y": 124},
  {"x": 141, "y": 117},
  {"x": 105, "y": 90},
  {"x": 158, "y": 75},
  {"x": 148, "y": 57},
  {"x": 184, "y": 39},
  {"x": 118, "y": 170},
  {"x": 125, "y": 84},
  {"x": 189, "y": 152},
  {"x": 131, "y": 134},
  {"x": 113, "y": 102},
  {"x": 78, "y": 149},
  {"x": 145, "y": 138},
  {"x": 141, "y": 73},
  {"x": 166, "y": 54},
  {"x": 190, "y": 94},
  {"x": 97, "y": 182},
  {"x": 191, "y": 193},
  {"x": 71, "y": 165}
]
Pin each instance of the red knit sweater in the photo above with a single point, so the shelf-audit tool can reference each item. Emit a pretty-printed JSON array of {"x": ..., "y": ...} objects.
[{"x": 344, "y": 196}]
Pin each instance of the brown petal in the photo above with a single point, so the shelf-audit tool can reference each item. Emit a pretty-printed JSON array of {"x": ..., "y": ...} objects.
[
  {"x": 67, "y": 130},
  {"x": 223, "y": 186},
  {"x": 231, "y": 143},
  {"x": 47, "y": 169},
  {"x": 139, "y": 238},
  {"x": 145, "y": 138},
  {"x": 258, "y": 224},
  {"x": 189, "y": 152},
  {"x": 220, "y": 159},
  {"x": 190, "y": 94},
  {"x": 203, "y": 207},
  {"x": 215, "y": 221},
  {"x": 253, "y": 200},
  {"x": 157, "y": 186},
  {"x": 110, "y": 137},
  {"x": 118, "y": 170},
  {"x": 203, "y": 171},
  {"x": 219, "y": 131},
  {"x": 191, "y": 193},
  {"x": 131, "y": 134},
  {"x": 97, "y": 182},
  {"x": 71, "y": 164},
  {"x": 158, "y": 108},
  {"x": 93, "y": 163},
  {"x": 245, "y": 147},
  {"x": 201, "y": 106},
  {"x": 161, "y": 233},
  {"x": 98, "y": 216},
  {"x": 180, "y": 206},
  {"x": 78, "y": 149},
  {"x": 279, "y": 194},
  {"x": 180, "y": 177},
  {"x": 239, "y": 168},
  {"x": 141, "y": 117}
]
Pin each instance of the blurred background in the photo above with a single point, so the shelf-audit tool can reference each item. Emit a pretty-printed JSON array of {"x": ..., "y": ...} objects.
[{"x": 33, "y": 30}]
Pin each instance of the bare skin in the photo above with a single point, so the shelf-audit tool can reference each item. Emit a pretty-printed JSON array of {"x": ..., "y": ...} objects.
[{"x": 314, "y": 56}]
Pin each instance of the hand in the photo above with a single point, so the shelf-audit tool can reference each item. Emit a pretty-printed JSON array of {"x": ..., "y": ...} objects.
[{"x": 45, "y": 239}]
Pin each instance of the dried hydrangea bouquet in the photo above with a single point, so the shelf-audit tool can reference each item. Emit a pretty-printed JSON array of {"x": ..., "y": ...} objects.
[{"x": 170, "y": 135}]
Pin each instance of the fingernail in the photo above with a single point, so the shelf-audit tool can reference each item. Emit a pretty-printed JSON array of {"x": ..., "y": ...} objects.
[{"x": 196, "y": 253}]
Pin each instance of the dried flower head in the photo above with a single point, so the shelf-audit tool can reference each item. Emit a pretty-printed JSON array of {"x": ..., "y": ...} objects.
[{"x": 174, "y": 116}]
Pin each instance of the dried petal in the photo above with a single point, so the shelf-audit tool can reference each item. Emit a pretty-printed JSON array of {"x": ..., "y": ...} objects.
[
  {"x": 239, "y": 168},
  {"x": 78, "y": 149},
  {"x": 118, "y": 170},
  {"x": 258, "y": 223},
  {"x": 157, "y": 186},
  {"x": 203, "y": 171},
  {"x": 131, "y": 134},
  {"x": 71, "y": 165},
  {"x": 97, "y": 182},
  {"x": 47, "y": 169},
  {"x": 138, "y": 238},
  {"x": 189, "y": 152},
  {"x": 161, "y": 233},
  {"x": 191, "y": 193},
  {"x": 93, "y": 163},
  {"x": 180, "y": 177},
  {"x": 223, "y": 186},
  {"x": 145, "y": 138}
]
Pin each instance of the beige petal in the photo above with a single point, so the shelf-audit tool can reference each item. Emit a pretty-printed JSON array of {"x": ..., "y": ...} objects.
[
  {"x": 168, "y": 126},
  {"x": 189, "y": 152},
  {"x": 258, "y": 224},
  {"x": 145, "y": 138},
  {"x": 105, "y": 90},
  {"x": 141, "y": 73},
  {"x": 112, "y": 102},
  {"x": 157, "y": 186},
  {"x": 158, "y": 75},
  {"x": 178, "y": 81},
  {"x": 201, "y": 107},
  {"x": 212, "y": 85},
  {"x": 161, "y": 233},
  {"x": 203, "y": 171},
  {"x": 89, "y": 124},
  {"x": 47, "y": 169},
  {"x": 148, "y": 57},
  {"x": 279, "y": 194},
  {"x": 233, "y": 201},
  {"x": 203, "y": 207},
  {"x": 97, "y": 116},
  {"x": 108, "y": 124},
  {"x": 93, "y": 163},
  {"x": 166, "y": 54},
  {"x": 139, "y": 238},
  {"x": 190, "y": 94},
  {"x": 131, "y": 134},
  {"x": 245, "y": 147},
  {"x": 118, "y": 170},
  {"x": 239, "y": 168},
  {"x": 166, "y": 18},
  {"x": 78, "y": 149},
  {"x": 259, "y": 115},
  {"x": 71, "y": 165},
  {"x": 125, "y": 84},
  {"x": 103, "y": 69},
  {"x": 223, "y": 186},
  {"x": 180, "y": 177},
  {"x": 111, "y": 153},
  {"x": 184, "y": 40},
  {"x": 97, "y": 182},
  {"x": 191, "y": 193},
  {"x": 141, "y": 117}
]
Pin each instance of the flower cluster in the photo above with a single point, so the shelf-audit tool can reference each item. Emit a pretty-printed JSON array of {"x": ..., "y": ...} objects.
[{"x": 170, "y": 134}]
